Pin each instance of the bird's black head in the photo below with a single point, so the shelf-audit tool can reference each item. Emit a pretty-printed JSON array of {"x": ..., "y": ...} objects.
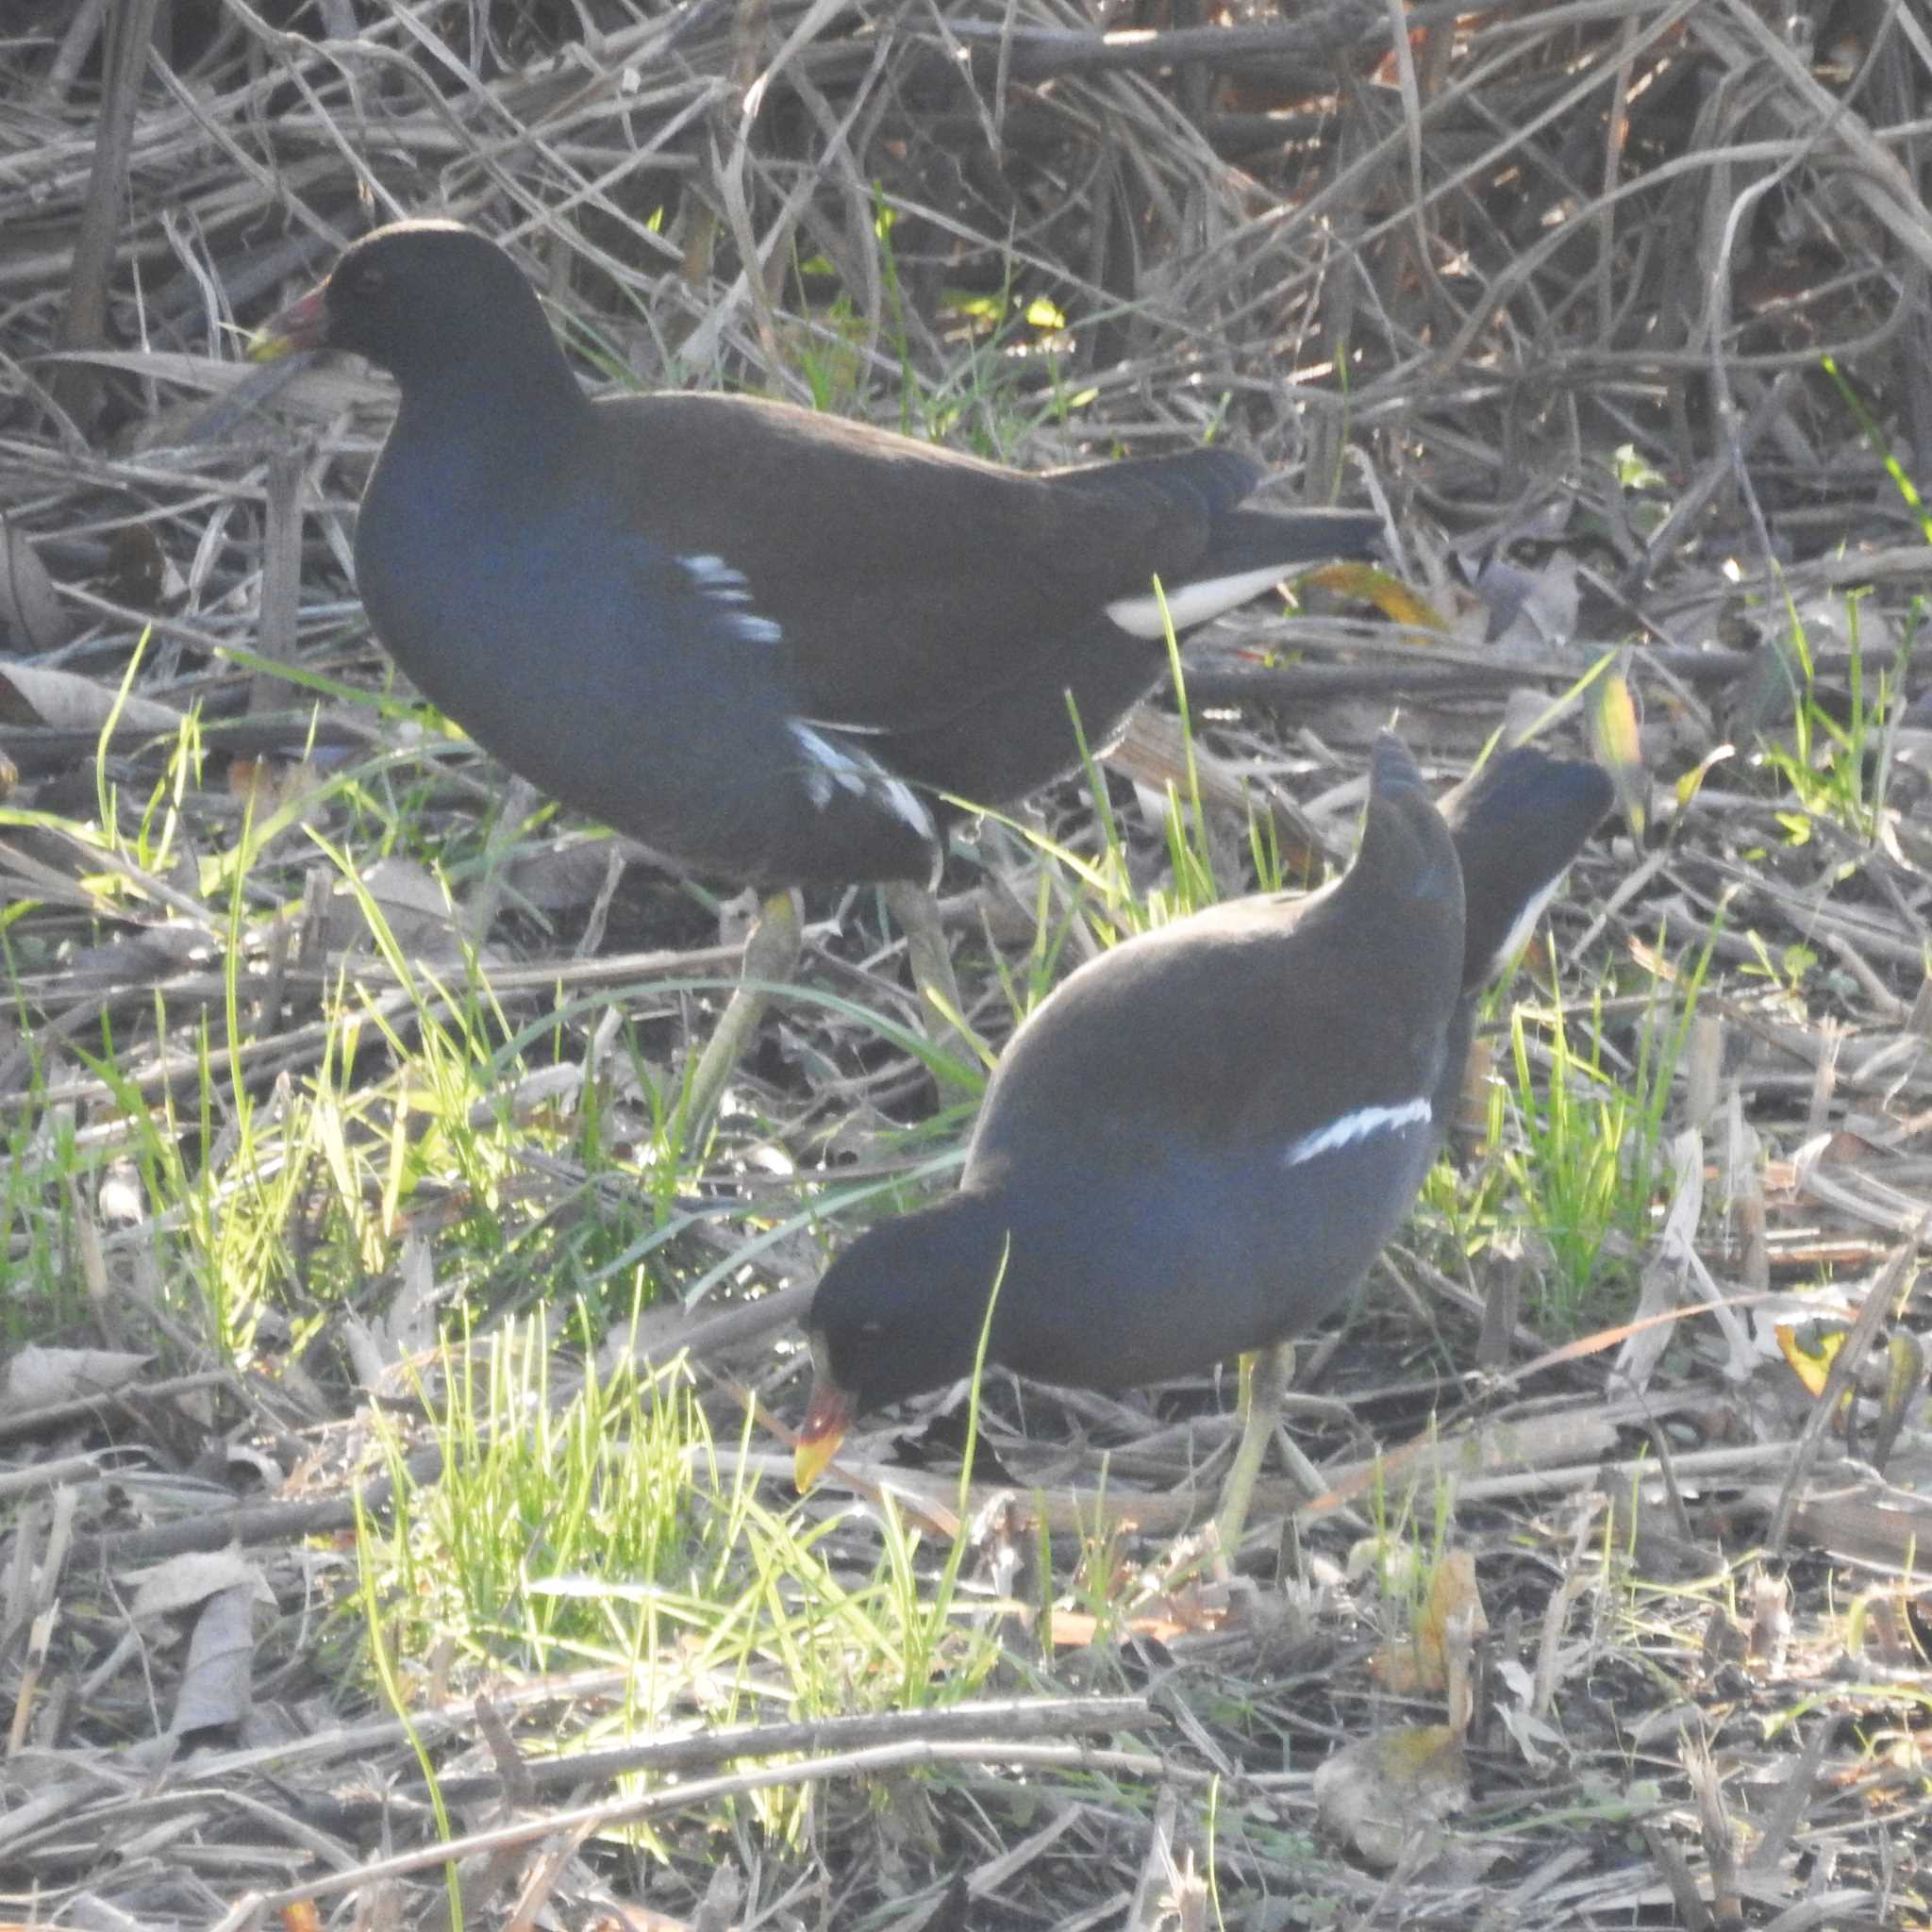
[
  {"x": 417, "y": 298},
  {"x": 900, "y": 1312}
]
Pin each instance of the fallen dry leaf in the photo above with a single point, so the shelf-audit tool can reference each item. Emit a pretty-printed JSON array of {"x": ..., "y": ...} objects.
[
  {"x": 37, "y": 1377},
  {"x": 31, "y": 618},
  {"x": 1376, "y": 1793},
  {"x": 65, "y": 701}
]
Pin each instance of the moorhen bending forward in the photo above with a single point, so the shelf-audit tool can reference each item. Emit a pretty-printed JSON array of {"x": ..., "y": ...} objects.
[
  {"x": 760, "y": 641},
  {"x": 1197, "y": 1144}
]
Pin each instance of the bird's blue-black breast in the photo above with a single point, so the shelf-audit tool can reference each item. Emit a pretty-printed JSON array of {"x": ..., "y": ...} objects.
[
  {"x": 761, "y": 640},
  {"x": 648, "y": 687}
]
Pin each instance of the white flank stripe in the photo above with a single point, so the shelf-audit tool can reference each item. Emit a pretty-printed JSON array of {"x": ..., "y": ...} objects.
[
  {"x": 723, "y": 585},
  {"x": 834, "y": 767},
  {"x": 1192, "y": 604},
  {"x": 1356, "y": 1127},
  {"x": 714, "y": 574}
]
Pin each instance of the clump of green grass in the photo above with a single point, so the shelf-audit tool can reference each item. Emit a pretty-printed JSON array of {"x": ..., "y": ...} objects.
[
  {"x": 1587, "y": 1159},
  {"x": 1838, "y": 768},
  {"x": 537, "y": 1491},
  {"x": 597, "y": 1531},
  {"x": 1573, "y": 1140},
  {"x": 42, "y": 1293}
]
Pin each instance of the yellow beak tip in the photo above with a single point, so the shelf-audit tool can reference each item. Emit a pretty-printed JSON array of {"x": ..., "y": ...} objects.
[{"x": 810, "y": 1458}]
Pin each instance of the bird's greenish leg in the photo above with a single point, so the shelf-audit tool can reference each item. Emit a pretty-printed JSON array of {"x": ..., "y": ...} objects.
[
  {"x": 1265, "y": 1376},
  {"x": 918, "y": 917},
  {"x": 771, "y": 958}
]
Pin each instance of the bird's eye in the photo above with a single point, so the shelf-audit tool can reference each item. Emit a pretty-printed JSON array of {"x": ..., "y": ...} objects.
[{"x": 365, "y": 278}]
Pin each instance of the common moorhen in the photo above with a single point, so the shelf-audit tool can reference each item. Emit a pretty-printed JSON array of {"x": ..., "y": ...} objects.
[
  {"x": 763, "y": 641},
  {"x": 1198, "y": 1143}
]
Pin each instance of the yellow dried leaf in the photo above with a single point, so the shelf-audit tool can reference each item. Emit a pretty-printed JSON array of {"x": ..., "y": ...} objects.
[
  {"x": 1693, "y": 781},
  {"x": 1388, "y": 594},
  {"x": 1420, "y": 1667},
  {"x": 1810, "y": 1362},
  {"x": 1613, "y": 729}
]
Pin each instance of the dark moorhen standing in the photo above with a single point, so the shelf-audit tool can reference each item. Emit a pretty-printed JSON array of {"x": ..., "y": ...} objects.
[
  {"x": 760, "y": 641},
  {"x": 1193, "y": 1148},
  {"x": 1200, "y": 1142}
]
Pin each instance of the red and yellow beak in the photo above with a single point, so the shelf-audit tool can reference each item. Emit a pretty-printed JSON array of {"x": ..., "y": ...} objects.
[
  {"x": 830, "y": 1413},
  {"x": 303, "y": 324}
]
